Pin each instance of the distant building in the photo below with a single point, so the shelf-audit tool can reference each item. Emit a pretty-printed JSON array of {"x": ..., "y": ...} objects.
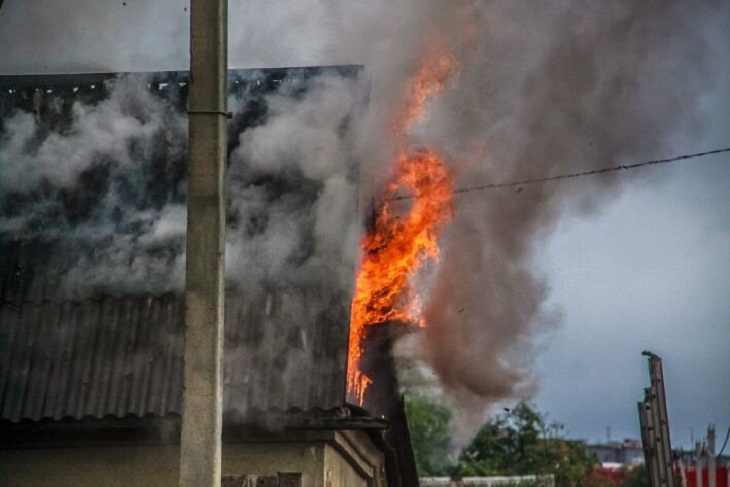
[{"x": 618, "y": 454}]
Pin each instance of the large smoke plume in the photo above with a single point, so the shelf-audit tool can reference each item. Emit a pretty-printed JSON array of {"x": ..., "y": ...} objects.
[{"x": 543, "y": 88}]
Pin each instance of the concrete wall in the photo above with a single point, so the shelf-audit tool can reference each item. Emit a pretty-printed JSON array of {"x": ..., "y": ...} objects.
[
  {"x": 332, "y": 460},
  {"x": 352, "y": 460},
  {"x": 90, "y": 467}
]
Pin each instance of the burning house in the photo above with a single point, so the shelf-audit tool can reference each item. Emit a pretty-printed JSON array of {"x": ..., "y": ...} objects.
[{"x": 91, "y": 313}]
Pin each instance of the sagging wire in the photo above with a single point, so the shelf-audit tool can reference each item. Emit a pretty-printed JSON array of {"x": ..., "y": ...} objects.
[{"x": 591, "y": 172}]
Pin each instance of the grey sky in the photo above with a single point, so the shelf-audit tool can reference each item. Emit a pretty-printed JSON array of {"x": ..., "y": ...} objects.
[{"x": 649, "y": 270}]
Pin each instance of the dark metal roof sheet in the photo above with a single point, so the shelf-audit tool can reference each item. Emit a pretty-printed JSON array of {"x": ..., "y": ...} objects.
[
  {"x": 123, "y": 357},
  {"x": 111, "y": 357}
]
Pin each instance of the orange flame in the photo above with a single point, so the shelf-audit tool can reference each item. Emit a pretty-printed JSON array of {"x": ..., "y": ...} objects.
[
  {"x": 397, "y": 246},
  {"x": 428, "y": 82}
]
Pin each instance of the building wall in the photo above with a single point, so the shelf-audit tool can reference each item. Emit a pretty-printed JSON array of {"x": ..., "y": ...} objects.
[
  {"x": 337, "y": 462},
  {"x": 352, "y": 461},
  {"x": 90, "y": 467}
]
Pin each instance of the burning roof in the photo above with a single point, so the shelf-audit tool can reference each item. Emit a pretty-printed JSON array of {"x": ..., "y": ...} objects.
[{"x": 91, "y": 313}]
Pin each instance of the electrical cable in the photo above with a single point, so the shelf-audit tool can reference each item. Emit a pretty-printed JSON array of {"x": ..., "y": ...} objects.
[{"x": 592, "y": 172}]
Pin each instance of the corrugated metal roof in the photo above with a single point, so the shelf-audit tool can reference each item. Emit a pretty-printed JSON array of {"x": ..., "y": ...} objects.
[
  {"x": 123, "y": 356},
  {"x": 111, "y": 357}
]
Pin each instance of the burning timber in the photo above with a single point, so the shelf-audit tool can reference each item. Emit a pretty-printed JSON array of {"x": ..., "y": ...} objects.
[{"x": 97, "y": 360}]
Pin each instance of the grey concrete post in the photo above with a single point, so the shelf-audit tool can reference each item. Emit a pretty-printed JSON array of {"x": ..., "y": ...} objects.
[{"x": 200, "y": 449}]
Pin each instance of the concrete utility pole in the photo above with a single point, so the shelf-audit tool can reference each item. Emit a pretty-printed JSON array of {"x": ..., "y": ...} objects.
[{"x": 200, "y": 443}]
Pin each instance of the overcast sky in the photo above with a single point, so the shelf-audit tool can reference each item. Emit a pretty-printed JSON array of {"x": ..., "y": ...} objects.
[{"x": 649, "y": 270}]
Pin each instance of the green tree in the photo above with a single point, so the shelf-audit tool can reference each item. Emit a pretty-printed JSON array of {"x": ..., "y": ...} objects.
[
  {"x": 429, "y": 425},
  {"x": 518, "y": 442}
]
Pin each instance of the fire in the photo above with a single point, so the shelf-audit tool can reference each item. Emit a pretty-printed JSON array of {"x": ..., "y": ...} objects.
[
  {"x": 427, "y": 83},
  {"x": 397, "y": 245},
  {"x": 395, "y": 249}
]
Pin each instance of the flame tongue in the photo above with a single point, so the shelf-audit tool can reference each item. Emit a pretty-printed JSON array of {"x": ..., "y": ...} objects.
[
  {"x": 394, "y": 250},
  {"x": 397, "y": 246},
  {"x": 428, "y": 82}
]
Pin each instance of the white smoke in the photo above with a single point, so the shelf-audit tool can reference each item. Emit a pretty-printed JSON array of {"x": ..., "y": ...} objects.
[{"x": 110, "y": 185}]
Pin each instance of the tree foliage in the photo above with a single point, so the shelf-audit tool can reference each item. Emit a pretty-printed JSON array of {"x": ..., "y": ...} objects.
[
  {"x": 518, "y": 442},
  {"x": 429, "y": 425}
]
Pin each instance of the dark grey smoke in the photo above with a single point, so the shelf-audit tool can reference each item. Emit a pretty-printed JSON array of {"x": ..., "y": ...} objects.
[{"x": 576, "y": 86}]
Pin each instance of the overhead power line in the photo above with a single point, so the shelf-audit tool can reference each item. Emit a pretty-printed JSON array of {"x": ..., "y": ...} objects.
[{"x": 591, "y": 172}]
